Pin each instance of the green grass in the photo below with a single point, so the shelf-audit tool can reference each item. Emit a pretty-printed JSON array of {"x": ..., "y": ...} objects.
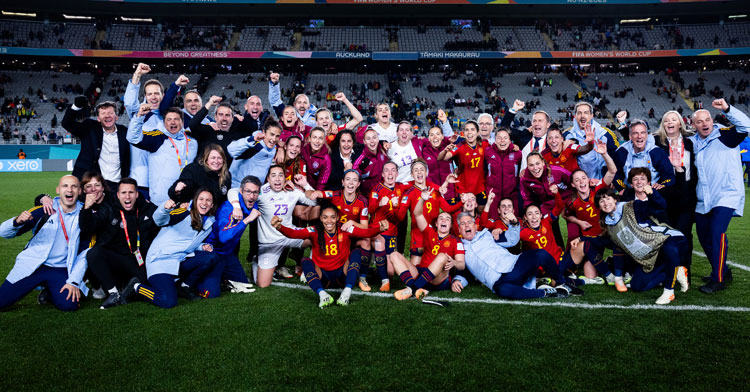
[{"x": 277, "y": 338}]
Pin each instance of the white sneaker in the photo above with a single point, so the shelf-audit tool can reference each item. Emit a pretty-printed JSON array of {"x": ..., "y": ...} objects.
[
  {"x": 99, "y": 293},
  {"x": 284, "y": 273},
  {"x": 682, "y": 279},
  {"x": 303, "y": 278},
  {"x": 325, "y": 300},
  {"x": 239, "y": 287},
  {"x": 596, "y": 280},
  {"x": 666, "y": 297},
  {"x": 610, "y": 279}
]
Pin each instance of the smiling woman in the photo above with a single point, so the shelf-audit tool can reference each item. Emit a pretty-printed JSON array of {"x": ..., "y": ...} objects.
[
  {"x": 178, "y": 252},
  {"x": 209, "y": 172}
]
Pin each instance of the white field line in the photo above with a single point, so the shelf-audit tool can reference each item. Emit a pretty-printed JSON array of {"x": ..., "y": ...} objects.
[
  {"x": 729, "y": 262},
  {"x": 549, "y": 303}
]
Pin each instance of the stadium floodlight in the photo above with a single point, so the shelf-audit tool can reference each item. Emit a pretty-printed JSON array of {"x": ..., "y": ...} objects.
[
  {"x": 77, "y": 17},
  {"x": 737, "y": 16},
  {"x": 126, "y": 19},
  {"x": 27, "y": 14},
  {"x": 634, "y": 20}
]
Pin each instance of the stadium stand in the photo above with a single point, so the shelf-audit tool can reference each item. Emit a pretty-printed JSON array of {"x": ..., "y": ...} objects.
[
  {"x": 171, "y": 36},
  {"x": 463, "y": 94}
]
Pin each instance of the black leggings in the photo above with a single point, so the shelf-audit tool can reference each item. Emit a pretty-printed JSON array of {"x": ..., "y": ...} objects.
[{"x": 113, "y": 268}]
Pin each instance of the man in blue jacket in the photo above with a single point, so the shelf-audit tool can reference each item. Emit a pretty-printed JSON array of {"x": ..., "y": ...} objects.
[
  {"x": 641, "y": 151},
  {"x": 507, "y": 275},
  {"x": 50, "y": 258},
  {"x": 720, "y": 190},
  {"x": 231, "y": 221}
]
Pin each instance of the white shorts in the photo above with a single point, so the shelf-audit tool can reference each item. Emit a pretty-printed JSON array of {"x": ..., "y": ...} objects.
[{"x": 268, "y": 254}]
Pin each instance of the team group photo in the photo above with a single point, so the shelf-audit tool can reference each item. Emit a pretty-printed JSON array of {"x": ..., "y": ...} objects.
[{"x": 459, "y": 195}]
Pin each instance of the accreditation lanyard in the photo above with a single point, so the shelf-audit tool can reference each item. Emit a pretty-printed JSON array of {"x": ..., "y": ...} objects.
[
  {"x": 187, "y": 150},
  {"x": 62, "y": 224},
  {"x": 137, "y": 232},
  {"x": 681, "y": 148}
]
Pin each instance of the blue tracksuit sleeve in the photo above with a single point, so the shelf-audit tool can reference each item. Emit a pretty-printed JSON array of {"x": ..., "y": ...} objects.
[
  {"x": 130, "y": 99},
  {"x": 135, "y": 136},
  {"x": 228, "y": 228},
  {"x": 446, "y": 127},
  {"x": 274, "y": 98},
  {"x": 655, "y": 206},
  {"x": 239, "y": 146},
  {"x": 9, "y": 229},
  {"x": 169, "y": 97},
  {"x": 619, "y": 158},
  {"x": 510, "y": 237},
  {"x": 78, "y": 270},
  {"x": 612, "y": 144},
  {"x": 732, "y": 137}
]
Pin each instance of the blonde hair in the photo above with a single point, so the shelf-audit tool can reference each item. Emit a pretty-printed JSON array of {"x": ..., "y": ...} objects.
[
  {"x": 661, "y": 133},
  {"x": 224, "y": 171}
]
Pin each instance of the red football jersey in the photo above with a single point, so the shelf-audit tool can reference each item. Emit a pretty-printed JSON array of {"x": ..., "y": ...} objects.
[
  {"x": 356, "y": 209},
  {"x": 470, "y": 163},
  {"x": 337, "y": 248},
  {"x": 388, "y": 211},
  {"x": 434, "y": 245},
  {"x": 587, "y": 211},
  {"x": 491, "y": 224},
  {"x": 430, "y": 209},
  {"x": 542, "y": 238},
  {"x": 567, "y": 159},
  {"x": 289, "y": 172}
]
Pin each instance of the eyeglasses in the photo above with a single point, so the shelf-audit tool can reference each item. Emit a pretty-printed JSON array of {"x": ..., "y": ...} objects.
[{"x": 252, "y": 192}]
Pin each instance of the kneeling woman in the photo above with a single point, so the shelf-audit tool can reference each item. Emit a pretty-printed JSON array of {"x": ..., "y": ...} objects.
[
  {"x": 179, "y": 252},
  {"x": 332, "y": 262},
  {"x": 660, "y": 250}
]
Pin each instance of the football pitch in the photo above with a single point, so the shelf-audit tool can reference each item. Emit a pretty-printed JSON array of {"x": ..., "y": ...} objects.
[{"x": 277, "y": 338}]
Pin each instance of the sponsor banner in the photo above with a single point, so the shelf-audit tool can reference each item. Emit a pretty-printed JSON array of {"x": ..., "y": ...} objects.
[
  {"x": 20, "y": 165},
  {"x": 415, "y": 2},
  {"x": 379, "y": 56}
]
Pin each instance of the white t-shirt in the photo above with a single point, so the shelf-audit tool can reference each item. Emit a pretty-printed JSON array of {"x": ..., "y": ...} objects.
[
  {"x": 387, "y": 134},
  {"x": 279, "y": 204},
  {"x": 109, "y": 157},
  {"x": 403, "y": 156}
]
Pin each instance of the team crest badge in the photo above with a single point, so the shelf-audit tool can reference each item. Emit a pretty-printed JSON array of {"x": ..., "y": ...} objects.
[
  {"x": 446, "y": 244},
  {"x": 544, "y": 230},
  {"x": 315, "y": 165},
  {"x": 481, "y": 150},
  {"x": 355, "y": 211},
  {"x": 510, "y": 156},
  {"x": 341, "y": 237},
  {"x": 220, "y": 137},
  {"x": 563, "y": 159},
  {"x": 122, "y": 225}
]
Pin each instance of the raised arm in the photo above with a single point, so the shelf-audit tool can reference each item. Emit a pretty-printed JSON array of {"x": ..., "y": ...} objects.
[
  {"x": 130, "y": 100},
  {"x": 601, "y": 148},
  {"x": 442, "y": 122},
  {"x": 419, "y": 209},
  {"x": 70, "y": 119},
  {"x": 356, "y": 115},
  {"x": 274, "y": 94}
]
